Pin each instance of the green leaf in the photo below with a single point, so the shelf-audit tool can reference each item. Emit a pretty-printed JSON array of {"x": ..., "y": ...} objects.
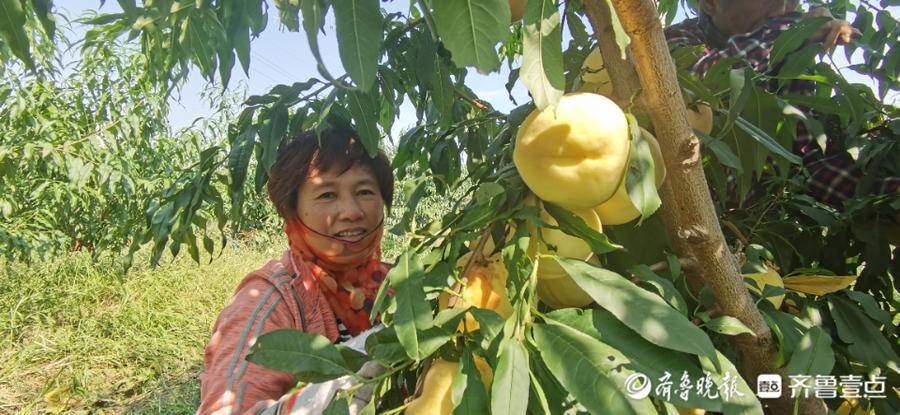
[
  {"x": 103, "y": 19},
  {"x": 721, "y": 150},
  {"x": 384, "y": 347},
  {"x": 819, "y": 104},
  {"x": 193, "y": 250},
  {"x": 369, "y": 409},
  {"x": 360, "y": 38},
  {"x": 208, "y": 246},
  {"x": 78, "y": 172},
  {"x": 573, "y": 225},
  {"x": 813, "y": 355},
  {"x": 664, "y": 286},
  {"x": 239, "y": 162},
  {"x": 432, "y": 339},
  {"x": 338, "y": 406},
  {"x": 413, "y": 311},
  {"x": 490, "y": 325},
  {"x": 486, "y": 191},
  {"x": 364, "y": 114},
  {"x": 588, "y": 369},
  {"x": 645, "y": 357},
  {"x": 788, "y": 329},
  {"x": 442, "y": 90},
  {"x": 688, "y": 81},
  {"x": 741, "y": 398},
  {"x": 552, "y": 397},
  {"x": 478, "y": 215},
  {"x": 799, "y": 63},
  {"x": 728, "y": 325},
  {"x": 241, "y": 36},
  {"x": 258, "y": 16},
  {"x": 414, "y": 190},
  {"x": 287, "y": 13},
  {"x": 420, "y": 54},
  {"x": 509, "y": 392},
  {"x": 353, "y": 359},
  {"x": 12, "y": 30},
  {"x": 471, "y": 29},
  {"x": 740, "y": 84},
  {"x": 870, "y": 306},
  {"x": 644, "y": 244},
  {"x": 766, "y": 140},
  {"x": 271, "y": 133},
  {"x": 622, "y": 38},
  {"x": 314, "y": 12},
  {"x": 640, "y": 177},
  {"x": 310, "y": 357},
  {"x": 542, "y": 65},
  {"x": 226, "y": 63},
  {"x": 866, "y": 343},
  {"x": 450, "y": 317},
  {"x": 45, "y": 15},
  {"x": 468, "y": 391},
  {"x": 813, "y": 126},
  {"x": 657, "y": 321},
  {"x": 792, "y": 39},
  {"x": 194, "y": 35}
]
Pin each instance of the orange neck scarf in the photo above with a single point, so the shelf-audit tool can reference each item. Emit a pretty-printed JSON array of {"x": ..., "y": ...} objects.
[{"x": 348, "y": 273}]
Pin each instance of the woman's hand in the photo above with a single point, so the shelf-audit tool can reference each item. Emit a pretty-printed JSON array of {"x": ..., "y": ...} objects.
[
  {"x": 832, "y": 33},
  {"x": 835, "y": 32}
]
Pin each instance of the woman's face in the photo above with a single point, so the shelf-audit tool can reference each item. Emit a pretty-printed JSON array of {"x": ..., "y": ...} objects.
[{"x": 345, "y": 206}]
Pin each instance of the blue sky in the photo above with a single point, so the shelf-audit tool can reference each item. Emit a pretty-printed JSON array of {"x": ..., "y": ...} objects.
[{"x": 282, "y": 57}]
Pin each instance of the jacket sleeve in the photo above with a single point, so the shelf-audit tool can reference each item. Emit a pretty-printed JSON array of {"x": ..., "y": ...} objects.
[{"x": 231, "y": 384}]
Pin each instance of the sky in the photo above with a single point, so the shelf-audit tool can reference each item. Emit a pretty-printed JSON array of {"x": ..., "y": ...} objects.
[{"x": 282, "y": 57}]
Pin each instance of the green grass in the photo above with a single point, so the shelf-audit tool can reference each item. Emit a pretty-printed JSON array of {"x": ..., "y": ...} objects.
[{"x": 77, "y": 336}]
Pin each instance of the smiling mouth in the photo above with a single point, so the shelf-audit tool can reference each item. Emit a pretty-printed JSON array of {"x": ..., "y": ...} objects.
[{"x": 351, "y": 233}]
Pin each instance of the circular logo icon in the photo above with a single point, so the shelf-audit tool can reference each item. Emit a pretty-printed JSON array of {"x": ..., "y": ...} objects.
[{"x": 637, "y": 386}]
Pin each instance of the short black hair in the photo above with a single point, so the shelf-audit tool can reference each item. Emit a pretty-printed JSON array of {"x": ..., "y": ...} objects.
[{"x": 310, "y": 151}]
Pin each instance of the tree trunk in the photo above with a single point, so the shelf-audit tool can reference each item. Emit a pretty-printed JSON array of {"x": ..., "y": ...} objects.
[{"x": 687, "y": 208}]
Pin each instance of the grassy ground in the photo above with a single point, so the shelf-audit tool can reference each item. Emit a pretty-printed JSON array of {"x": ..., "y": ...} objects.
[{"x": 79, "y": 337}]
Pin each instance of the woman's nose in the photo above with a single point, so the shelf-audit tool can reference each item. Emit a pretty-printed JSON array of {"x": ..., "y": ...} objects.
[{"x": 350, "y": 210}]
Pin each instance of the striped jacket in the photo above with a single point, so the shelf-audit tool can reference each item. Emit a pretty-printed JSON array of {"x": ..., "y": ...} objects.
[{"x": 270, "y": 298}]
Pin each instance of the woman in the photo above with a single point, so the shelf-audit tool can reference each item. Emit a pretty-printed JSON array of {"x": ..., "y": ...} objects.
[{"x": 331, "y": 195}]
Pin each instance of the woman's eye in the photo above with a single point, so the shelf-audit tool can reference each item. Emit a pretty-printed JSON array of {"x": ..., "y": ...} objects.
[
  {"x": 327, "y": 195},
  {"x": 366, "y": 192}
]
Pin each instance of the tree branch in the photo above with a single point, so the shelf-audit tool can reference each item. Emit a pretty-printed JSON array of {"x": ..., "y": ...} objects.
[
  {"x": 620, "y": 70},
  {"x": 473, "y": 101}
]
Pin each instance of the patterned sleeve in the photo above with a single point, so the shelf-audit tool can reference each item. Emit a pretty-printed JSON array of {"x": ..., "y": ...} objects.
[
  {"x": 833, "y": 178},
  {"x": 231, "y": 384},
  {"x": 686, "y": 33}
]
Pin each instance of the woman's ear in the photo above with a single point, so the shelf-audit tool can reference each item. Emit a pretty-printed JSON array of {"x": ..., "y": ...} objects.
[{"x": 709, "y": 7}]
